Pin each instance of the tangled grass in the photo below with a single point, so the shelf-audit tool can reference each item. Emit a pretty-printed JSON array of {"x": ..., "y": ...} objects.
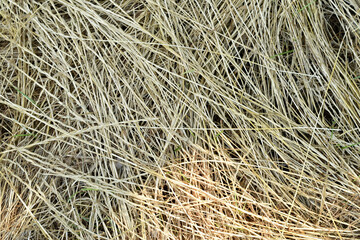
[{"x": 216, "y": 119}]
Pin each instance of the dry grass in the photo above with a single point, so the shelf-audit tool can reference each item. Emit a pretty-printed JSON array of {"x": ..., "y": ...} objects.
[{"x": 219, "y": 119}]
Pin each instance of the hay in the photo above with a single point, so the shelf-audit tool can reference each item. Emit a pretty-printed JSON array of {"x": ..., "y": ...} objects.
[{"x": 216, "y": 119}]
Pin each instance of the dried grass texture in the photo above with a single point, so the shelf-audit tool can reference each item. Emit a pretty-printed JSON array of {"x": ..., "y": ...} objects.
[{"x": 228, "y": 119}]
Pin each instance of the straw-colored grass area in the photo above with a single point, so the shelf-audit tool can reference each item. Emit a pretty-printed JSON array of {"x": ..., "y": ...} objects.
[{"x": 167, "y": 119}]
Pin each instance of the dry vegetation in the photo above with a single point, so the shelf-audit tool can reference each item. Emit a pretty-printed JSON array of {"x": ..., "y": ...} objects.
[{"x": 192, "y": 119}]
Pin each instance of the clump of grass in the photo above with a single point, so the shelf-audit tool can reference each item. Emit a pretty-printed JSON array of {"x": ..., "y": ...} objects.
[{"x": 169, "y": 120}]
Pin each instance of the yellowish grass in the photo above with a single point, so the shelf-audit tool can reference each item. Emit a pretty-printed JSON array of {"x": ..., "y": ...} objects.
[{"x": 219, "y": 119}]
